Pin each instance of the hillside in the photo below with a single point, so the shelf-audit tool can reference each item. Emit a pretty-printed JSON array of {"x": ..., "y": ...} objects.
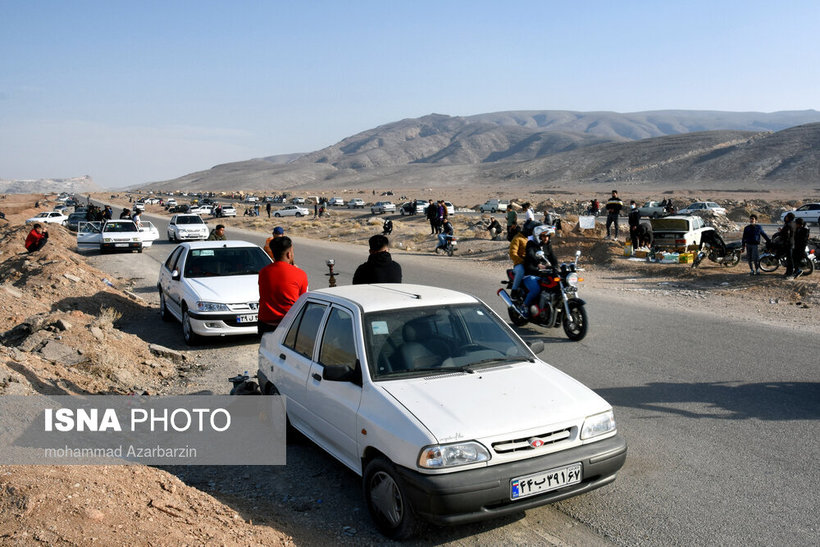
[
  {"x": 71, "y": 185},
  {"x": 559, "y": 146}
]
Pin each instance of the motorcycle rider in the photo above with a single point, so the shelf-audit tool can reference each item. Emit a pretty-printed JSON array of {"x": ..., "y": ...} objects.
[
  {"x": 446, "y": 232},
  {"x": 801, "y": 239},
  {"x": 539, "y": 248},
  {"x": 517, "y": 252}
]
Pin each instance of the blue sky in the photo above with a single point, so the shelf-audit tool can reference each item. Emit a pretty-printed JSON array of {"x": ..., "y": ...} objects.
[{"x": 133, "y": 92}]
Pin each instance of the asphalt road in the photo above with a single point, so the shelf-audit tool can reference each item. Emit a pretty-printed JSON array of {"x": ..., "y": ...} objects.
[{"x": 721, "y": 417}]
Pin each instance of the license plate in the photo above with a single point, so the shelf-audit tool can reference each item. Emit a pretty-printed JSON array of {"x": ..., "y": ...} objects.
[
  {"x": 120, "y": 244},
  {"x": 538, "y": 483},
  {"x": 249, "y": 318}
]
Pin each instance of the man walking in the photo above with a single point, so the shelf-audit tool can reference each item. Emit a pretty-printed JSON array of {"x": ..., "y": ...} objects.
[
  {"x": 380, "y": 266},
  {"x": 613, "y": 211},
  {"x": 432, "y": 215},
  {"x": 751, "y": 244}
]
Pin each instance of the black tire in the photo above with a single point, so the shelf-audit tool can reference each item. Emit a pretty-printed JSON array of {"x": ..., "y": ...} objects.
[
  {"x": 768, "y": 263},
  {"x": 277, "y": 215},
  {"x": 450, "y": 250},
  {"x": 807, "y": 265},
  {"x": 732, "y": 260},
  {"x": 387, "y": 501},
  {"x": 516, "y": 318},
  {"x": 576, "y": 326},
  {"x": 191, "y": 338},
  {"x": 163, "y": 308},
  {"x": 298, "y": 214}
]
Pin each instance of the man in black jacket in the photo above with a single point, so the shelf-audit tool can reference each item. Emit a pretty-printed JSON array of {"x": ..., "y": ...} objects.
[
  {"x": 634, "y": 224},
  {"x": 380, "y": 267},
  {"x": 613, "y": 211},
  {"x": 787, "y": 239}
]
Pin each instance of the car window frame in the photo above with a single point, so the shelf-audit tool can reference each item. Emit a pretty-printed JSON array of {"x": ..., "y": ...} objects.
[{"x": 291, "y": 338}]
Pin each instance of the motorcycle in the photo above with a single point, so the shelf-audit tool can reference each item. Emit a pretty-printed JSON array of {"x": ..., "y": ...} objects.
[
  {"x": 557, "y": 304},
  {"x": 713, "y": 247},
  {"x": 243, "y": 385},
  {"x": 450, "y": 246},
  {"x": 775, "y": 255}
]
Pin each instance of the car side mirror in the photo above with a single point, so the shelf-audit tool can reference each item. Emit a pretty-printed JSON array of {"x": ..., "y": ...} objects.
[
  {"x": 537, "y": 347},
  {"x": 175, "y": 275},
  {"x": 342, "y": 373}
]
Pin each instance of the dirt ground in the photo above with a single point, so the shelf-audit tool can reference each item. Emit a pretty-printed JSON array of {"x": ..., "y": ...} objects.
[{"x": 59, "y": 336}]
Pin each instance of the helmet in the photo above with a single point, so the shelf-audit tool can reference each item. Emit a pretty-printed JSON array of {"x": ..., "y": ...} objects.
[{"x": 538, "y": 230}]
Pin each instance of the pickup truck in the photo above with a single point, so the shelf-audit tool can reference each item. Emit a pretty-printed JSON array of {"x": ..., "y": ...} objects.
[
  {"x": 652, "y": 209},
  {"x": 493, "y": 205},
  {"x": 678, "y": 232}
]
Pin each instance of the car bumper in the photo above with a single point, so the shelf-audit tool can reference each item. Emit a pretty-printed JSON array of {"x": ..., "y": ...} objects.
[
  {"x": 478, "y": 494},
  {"x": 121, "y": 245},
  {"x": 191, "y": 237},
  {"x": 220, "y": 324}
]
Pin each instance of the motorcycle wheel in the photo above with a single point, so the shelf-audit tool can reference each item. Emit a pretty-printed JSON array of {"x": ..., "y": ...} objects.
[
  {"x": 450, "y": 250},
  {"x": 516, "y": 318},
  {"x": 732, "y": 260},
  {"x": 768, "y": 263},
  {"x": 807, "y": 265},
  {"x": 698, "y": 259},
  {"x": 575, "y": 325}
]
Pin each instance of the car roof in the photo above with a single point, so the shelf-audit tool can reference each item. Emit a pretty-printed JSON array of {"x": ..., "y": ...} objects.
[
  {"x": 392, "y": 296},
  {"x": 223, "y": 243}
]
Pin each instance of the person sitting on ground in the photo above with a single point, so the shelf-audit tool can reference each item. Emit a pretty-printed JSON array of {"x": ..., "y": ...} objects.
[
  {"x": 281, "y": 283},
  {"x": 37, "y": 237},
  {"x": 277, "y": 232},
  {"x": 380, "y": 266},
  {"x": 494, "y": 228},
  {"x": 218, "y": 234},
  {"x": 387, "y": 227}
]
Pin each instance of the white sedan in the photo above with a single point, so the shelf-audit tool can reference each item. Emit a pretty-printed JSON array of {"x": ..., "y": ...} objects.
[
  {"x": 809, "y": 212},
  {"x": 291, "y": 211},
  {"x": 112, "y": 235},
  {"x": 702, "y": 207},
  {"x": 440, "y": 407},
  {"x": 48, "y": 217},
  {"x": 186, "y": 227},
  {"x": 211, "y": 288},
  {"x": 381, "y": 207}
]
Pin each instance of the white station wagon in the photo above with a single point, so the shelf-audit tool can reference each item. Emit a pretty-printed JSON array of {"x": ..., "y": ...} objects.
[
  {"x": 428, "y": 395},
  {"x": 211, "y": 288}
]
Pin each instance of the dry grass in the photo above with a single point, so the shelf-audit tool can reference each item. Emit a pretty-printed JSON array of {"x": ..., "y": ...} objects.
[{"x": 107, "y": 318}]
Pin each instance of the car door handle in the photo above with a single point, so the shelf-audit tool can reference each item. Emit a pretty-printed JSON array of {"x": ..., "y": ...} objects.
[
  {"x": 317, "y": 376},
  {"x": 282, "y": 356}
]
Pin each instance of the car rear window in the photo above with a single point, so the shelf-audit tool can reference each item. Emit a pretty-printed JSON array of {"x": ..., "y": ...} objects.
[{"x": 670, "y": 225}]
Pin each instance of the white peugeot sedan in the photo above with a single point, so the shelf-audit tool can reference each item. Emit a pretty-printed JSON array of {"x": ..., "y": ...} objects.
[
  {"x": 291, "y": 211},
  {"x": 48, "y": 217},
  {"x": 428, "y": 395},
  {"x": 187, "y": 226},
  {"x": 111, "y": 235},
  {"x": 211, "y": 288}
]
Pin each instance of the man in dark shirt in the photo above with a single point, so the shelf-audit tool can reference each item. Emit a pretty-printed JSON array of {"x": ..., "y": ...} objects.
[
  {"x": 751, "y": 243},
  {"x": 634, "y": 224},
  {"x": 380, "y": 267},
  {"x": 787, "y": 239},
  {"x": 613, "y": 211},
  {"x": 801, "y": 239}
]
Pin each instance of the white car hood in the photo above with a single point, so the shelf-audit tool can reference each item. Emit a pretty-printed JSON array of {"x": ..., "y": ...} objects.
[
  {"x": 226, "y": 289},
  {"x": 489, "y": 402}
]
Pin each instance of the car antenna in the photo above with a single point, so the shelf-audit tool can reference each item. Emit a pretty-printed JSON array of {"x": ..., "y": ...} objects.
[{"x": 410, "y": 294}]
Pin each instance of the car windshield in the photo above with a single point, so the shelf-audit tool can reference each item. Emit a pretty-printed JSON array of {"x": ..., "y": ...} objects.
[
  {"x": 190, "y": 220},
  {"x": 438, "y": 340},
  {"x": 225, "y": 261},
  {"x": 120, "y": 227}
]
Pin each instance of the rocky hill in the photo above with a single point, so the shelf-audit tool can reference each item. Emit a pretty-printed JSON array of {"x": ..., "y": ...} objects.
[
  {"x": 556, "y": 145},
  {"x": 70, "y": 185}
]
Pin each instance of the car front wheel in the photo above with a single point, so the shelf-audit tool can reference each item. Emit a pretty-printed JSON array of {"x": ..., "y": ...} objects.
[
  {"x": 163, "y": 308},
  {"x": 191, "y": 338},
  {"x": 387, "y": 500},
  {"x": 277, "y": 215}
]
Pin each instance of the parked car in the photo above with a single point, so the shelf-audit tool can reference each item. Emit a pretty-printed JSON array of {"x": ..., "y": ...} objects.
[
  {"x": 678, "y": 232},
  {"x": 809, "y": 212},
  {"x": 61, "y": 209},
  {"x": 48, "y": 217},
  {"x": 74, "y": 219},
  {"x": 183, "y": 208},
  {"x": 148, "y": 232},
  {"x": 170, "y": 202},
  {"x": 494, "y": 205},
  {"x": 202, "y": 209},
  {"x": 111, "y": 235},
  {"x": 298, "y": 201},
  {"x": 440, "y": 407},
  {"x": 186, "y": 227},
  {"x": 211, "y": 288},
  {"x": 355, "y": 203},
  {"x": 381, "y": 207},
  {"x": 336, "y": 201},
  {"x": 228, "y": 211},
  {"x": 291, "y": 211},
  {"x": 407, "y": 208},
  {"x": 652, "y": 209},
  {"x": 702, "y": 206}
]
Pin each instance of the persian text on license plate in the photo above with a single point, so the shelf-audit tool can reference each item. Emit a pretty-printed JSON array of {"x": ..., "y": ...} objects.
[
  {"x": 538, "y": 483},
  {"x": 249, "y": 318},
  {"x": 120, "y": 244}
]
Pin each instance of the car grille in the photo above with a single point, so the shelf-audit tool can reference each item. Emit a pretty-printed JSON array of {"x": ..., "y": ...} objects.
[
  {"x": 244, "y": 306},
  {"x": 525, "y": 443}
]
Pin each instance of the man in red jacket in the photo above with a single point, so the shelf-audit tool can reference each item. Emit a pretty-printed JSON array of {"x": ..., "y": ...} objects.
[
  {"x": 37, "y": 237},
  {"x": 280, "y": 285}
]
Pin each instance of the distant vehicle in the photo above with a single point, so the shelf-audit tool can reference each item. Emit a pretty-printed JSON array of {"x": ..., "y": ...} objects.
[
  {"x": 139, "y": 205},
  {"x": 228, "y": 211},
  {"x": 702, "y": 207},
  {"x": 678, "y": 232},
  {"x": 74, "y": 219},
  {"x": 291, "y": 211},
  {"x": 170, "y": 202},
  {"x": 336, "y": 201},
  {"x": 381, "y": 207},
  {"x": 809, "y": 212},
  {"x": 211, "y": 288},
  {"x": 187, "y": 227},
  {"x": 251, "y": 199},
  {"x": 298, "y": 201},
  {"x": 355, "y": 203},
  {"x": 183, "y": 208},
  {"x": 49, "y": 217},
  {"x": 112, "y": 235},
  {"x": 493, "y": 206},
  {"x": 61, "y": 208},
  {"x": 407, "y": 208},
  {"x": 652, "y": 209}
]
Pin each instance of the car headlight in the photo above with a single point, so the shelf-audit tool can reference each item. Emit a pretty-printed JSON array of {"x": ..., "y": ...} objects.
[
  {"x": 440, "y": 456},
  {"x": 572, "y": 279},
  {"x": 211, "y": 306},
  {"x": 598, "y": 424},
  {"x": 107, "y": 240}
]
